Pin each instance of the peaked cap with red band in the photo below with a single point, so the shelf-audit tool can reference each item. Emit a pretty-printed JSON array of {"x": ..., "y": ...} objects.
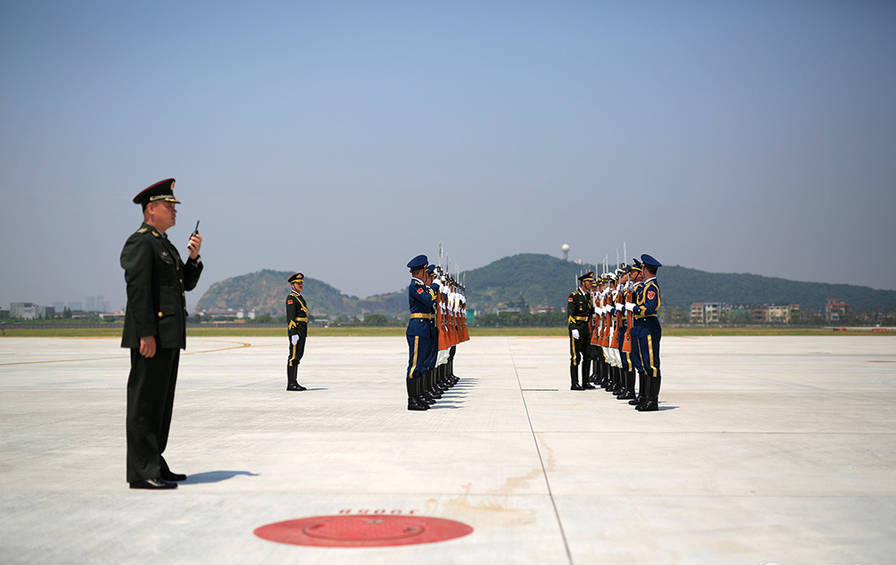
[{"x": 162, "y": 190}]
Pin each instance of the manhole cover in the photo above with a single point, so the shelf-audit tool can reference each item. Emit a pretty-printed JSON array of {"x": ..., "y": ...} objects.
[{"x": 363, "y": 530}]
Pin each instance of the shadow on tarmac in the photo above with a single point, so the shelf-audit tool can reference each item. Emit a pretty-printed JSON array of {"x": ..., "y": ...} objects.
[{"x": 215, "y": 477}]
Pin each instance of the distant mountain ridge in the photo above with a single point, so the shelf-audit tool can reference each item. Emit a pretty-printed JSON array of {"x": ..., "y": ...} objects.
[
  {"x": 546, "y": 281},
  {"x": 540, "y": 280},
  {"x": 265, "y": 292}
]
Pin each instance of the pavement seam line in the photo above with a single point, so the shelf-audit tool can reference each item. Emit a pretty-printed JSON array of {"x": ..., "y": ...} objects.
[
  {"x": 242, "y": 345},
  {"x": 540, "y": 458}
]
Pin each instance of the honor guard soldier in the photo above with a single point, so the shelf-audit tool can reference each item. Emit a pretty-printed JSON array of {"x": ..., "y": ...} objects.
[
  {"x": 420, "y": 334},
  {"x": 637, "y": 327},
  {"x": 155, "y": 332},
  {"x": 296, "y": 329},
  {"x": 578, "y": 311},
  {"x": 430, "y": 385},
  {"x": 649, "y": 339}
]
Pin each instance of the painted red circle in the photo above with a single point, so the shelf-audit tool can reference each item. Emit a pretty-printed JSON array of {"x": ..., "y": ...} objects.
[{"x": 363, "y": 530}]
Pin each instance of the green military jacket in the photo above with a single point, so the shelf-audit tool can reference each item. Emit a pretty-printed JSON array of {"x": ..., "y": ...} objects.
[
  {"x": 578, "y": 309},
  {"x": 296, "y": 314},
  {"x": 156, "y": 282}
]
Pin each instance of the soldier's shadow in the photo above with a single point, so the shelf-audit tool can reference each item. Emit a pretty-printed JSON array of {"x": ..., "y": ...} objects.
[
  {"x": 215, "y": 477},
  {"x": 441, "y": 405},
  {"x": 661, "y": 408}
]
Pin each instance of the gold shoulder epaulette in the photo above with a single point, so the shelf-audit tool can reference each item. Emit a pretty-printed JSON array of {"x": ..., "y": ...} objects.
[
  {"x": 155, "y": 233},
  {"x": 143, "y": 230}
]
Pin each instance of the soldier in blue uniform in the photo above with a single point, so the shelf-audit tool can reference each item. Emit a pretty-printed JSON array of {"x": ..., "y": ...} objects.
[
  {"x": 420, "y": 333},
  {"x": 430, "y": 386},
  {"x": 296, "y": 329},
  {"x": 627, "y": 392},
  {"x": 637, "y": 327},
  {"x": 649, "y": 339},
  {"x": 155, "y": 332}
]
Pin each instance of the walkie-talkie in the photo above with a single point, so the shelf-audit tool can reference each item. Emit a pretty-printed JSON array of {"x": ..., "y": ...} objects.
[{"x": 195, "y": 232}]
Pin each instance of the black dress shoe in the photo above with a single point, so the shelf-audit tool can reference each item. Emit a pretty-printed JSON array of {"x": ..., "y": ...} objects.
[
  {"x": 295, "y": 386},
  {"x": 414, "y": 405},
  {"x": 153, "y": 484},
  {"x": 170, "y": 475},
  {"x": 635, "y": 401},
  {"x": 588, "y": 386},
  {"x": 649, "y": 406}
]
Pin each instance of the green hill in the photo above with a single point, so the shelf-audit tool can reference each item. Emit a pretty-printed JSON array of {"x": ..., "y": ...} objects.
[
  {"x": 682, "y": 285},
  {"x": 541, "y": 280},
  {"x": 265, "y": 292}
]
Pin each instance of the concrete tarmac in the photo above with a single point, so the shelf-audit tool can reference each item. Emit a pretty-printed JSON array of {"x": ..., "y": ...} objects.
[{"x": 765, "y": 450}]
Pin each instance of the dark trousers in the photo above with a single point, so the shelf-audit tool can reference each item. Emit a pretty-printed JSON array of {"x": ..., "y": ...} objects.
[
  {"x": 578, "y": 348},
  {"x": 649, "y": 349},
  {"x": 295, "y": 356},
  {"x": 419, "y": 355},
  {"x": 151, "y": 386}
]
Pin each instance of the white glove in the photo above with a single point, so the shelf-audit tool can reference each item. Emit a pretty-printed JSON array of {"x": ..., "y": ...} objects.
[
  {"x": 575, "y": 334},
  {"x": 294, "y": 338},
  {"x": 629, "y": 306},
  {"x": 619, "y": 306}
]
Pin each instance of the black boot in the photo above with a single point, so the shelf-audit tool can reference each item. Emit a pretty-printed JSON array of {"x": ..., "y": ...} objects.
[
  {"x": 418, "y": 392},
  {"x": 413, "y": 403},
  {"x": 574, "y": 378},
  {"x": 292, "y": 375},
  {"x": 623, "y": 391},
  {"x": 431, "y": 380},
  {"x": 654, "y": 403},
  {"x": 602, "y": 372},
  {"x": 629, "y": 386},
  {"x": 613, "y": 385},
  {"x": 646, "y": 393},
  {"x": 586, "y": 381},
  {"x": 640, "y": 396}
]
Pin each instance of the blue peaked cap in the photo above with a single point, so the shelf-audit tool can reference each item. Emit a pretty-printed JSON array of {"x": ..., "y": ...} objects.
[
  {"x": 418, "y": 262},
  {"x": 650, "y": 261}
]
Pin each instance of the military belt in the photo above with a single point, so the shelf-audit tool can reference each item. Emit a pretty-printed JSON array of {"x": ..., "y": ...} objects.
[
  {"x": 301, "y": 319},
  {"x": 580, "y": 318},
  {"x": 424, "y": 316}
]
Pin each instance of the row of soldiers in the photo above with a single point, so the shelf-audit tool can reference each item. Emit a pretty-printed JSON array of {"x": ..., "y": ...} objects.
[
  {"x": 614, "y": 333},
  {"x": 437, "y": 323}
]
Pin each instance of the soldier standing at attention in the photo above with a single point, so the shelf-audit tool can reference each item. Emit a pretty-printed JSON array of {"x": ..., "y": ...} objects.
[
  {"x": 578, "y": 310},
  {"x": 637, "y": 327},
  {"x": 651, "y": 332},
  {"x": 296, "y": 329},
  {"x": 155, "y": 331},
  {"x": 420, "y": 334}
]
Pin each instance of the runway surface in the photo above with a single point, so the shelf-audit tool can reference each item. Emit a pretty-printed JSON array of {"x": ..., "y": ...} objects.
[{"x": 765, "y": 450}]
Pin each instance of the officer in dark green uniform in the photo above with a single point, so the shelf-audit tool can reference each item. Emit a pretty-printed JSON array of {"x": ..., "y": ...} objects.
[
  {"x": 155, "y": 332},
  {"x": 297, "y": 329},
  {"x": 578, "y": 310}
]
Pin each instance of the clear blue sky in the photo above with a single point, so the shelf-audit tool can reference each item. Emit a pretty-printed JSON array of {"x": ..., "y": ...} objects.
[{"x": 342, "y": 138}]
